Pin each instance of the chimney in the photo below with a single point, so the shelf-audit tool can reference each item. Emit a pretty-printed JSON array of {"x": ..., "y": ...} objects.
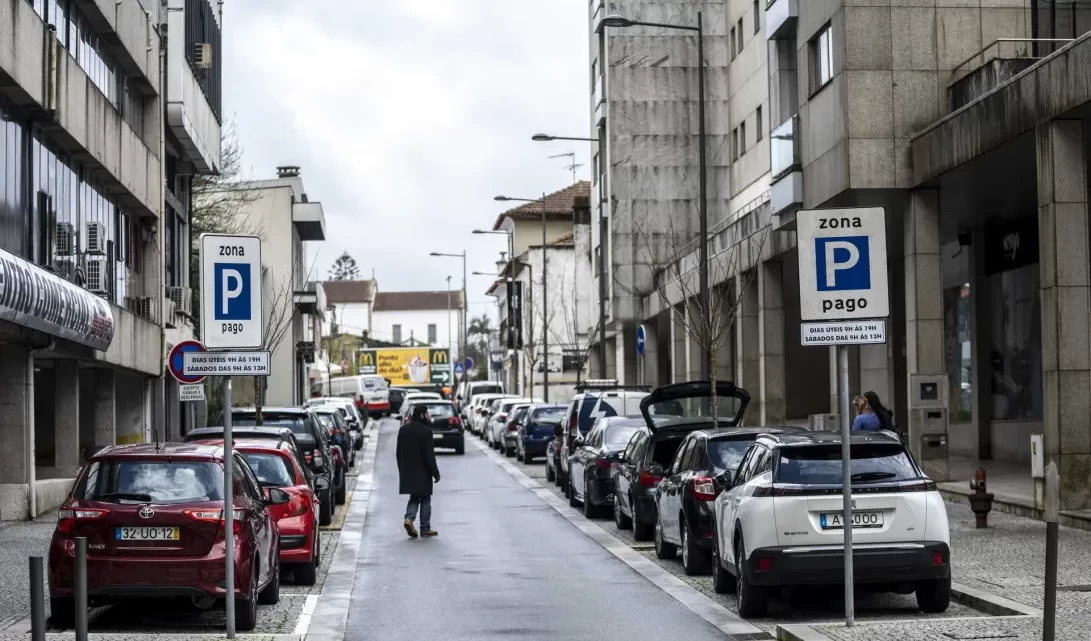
[{"x": 288, "y": 171}]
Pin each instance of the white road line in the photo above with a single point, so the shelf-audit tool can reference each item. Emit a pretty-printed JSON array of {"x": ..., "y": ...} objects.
[
  {"x": 712, "y": 612},
  {"x": 304, "y": 622}
]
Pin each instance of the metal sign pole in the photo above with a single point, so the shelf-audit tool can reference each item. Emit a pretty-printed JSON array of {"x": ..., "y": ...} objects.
[
  {"x": 1052, "y": 513},
  {"x": 229, "y": 514},
  {"x": 846, "y": 475}
]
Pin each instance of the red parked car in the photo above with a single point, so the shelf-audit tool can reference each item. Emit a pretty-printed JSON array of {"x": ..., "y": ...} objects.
[
  {"x": 276, "y": 467},
  {"x": 152, "y": 516}
]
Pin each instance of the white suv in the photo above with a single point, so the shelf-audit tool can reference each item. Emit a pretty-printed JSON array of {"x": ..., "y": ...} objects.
[
  {"x": 781, "y": 521},
  {"x": 498, "y": 420}
]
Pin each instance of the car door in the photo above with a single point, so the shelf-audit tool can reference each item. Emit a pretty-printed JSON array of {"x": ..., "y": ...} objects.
[
  {"x": 667, "y": 499},
  {"x": 624, "y": 472},
  {"x": 726, "y": 502},
  {"x": 250, "y": 500},
  {"x": 577, "y": 466},
  {"x": 754, "y": 468}
]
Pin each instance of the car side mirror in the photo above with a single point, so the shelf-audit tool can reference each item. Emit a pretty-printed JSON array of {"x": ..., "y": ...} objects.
[
  {"x": 321, "y": 483},
  {"x": 276, "y": 496}
]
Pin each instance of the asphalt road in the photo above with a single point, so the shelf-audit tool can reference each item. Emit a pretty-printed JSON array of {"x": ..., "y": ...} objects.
[{"x": 505, "y": 566}]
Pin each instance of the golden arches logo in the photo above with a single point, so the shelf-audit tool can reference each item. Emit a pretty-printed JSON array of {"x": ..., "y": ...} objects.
[
  {"x": 367, "y": 359},
  {"x": 439, "y": 358}
]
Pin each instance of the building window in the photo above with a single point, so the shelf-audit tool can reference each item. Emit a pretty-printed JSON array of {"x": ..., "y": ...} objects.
[
  {"x": 758, "y": 124},
  {"x": 202, "y": 28},
  {"x": 594, "y": 75},
  {"x": 821, "y": 54},
  {"x": 396, "y": 334},
  {"x": 735, "y": 144},
  {"x": 742, "y": 138},
  {"x": 431, "y": 333},
  {"x": 757, "y": 17},
  {"x": 734, "y": 39},
  {"x": 739, "y": 28}
]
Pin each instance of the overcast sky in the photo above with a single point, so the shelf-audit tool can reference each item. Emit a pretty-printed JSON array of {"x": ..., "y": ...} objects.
[{"x": 407, "y": 117}]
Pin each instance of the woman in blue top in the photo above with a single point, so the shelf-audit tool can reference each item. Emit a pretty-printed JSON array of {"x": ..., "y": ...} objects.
[{"x": 866, "y": 420}]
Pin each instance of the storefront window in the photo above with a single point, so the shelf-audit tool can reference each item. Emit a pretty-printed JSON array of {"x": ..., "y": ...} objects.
[{"x": 957, "y": 332}]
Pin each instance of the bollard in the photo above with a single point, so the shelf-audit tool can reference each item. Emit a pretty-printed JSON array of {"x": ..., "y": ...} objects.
[
  {"x": 981, "y": 502},
  {"x": 81, "y": 588},
  {"x": 37, "y": 600},
  {"x": 1052, "y": 513}
]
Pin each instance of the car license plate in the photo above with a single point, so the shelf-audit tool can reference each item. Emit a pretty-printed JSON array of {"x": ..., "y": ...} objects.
[
  {"x": 835, "y": 520},
  {"x": 437, "y": 436},
  {"x": 147, "y": 534}
]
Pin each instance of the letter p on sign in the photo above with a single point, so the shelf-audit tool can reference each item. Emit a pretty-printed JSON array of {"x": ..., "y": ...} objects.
[
  {"x": 842, "y": 263},
  {"x": 232, "y": 294}
]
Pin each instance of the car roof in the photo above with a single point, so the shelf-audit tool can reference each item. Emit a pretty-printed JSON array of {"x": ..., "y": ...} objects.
[
  {"x": 753, "y": 430},
  {"x": 833, "y": 438},
  {"x": 251, "y": 444},
  {"x": 302, "y": 411},
  {"x": 610, "y": 421},
  {"x": 188, "y": 451},
  {"x": 325, "y": 409}
]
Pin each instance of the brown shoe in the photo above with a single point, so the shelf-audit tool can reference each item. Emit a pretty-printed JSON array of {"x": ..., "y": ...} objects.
[
  {"x": 429, "y": 532},
  {"x": 410, "y": 529}
]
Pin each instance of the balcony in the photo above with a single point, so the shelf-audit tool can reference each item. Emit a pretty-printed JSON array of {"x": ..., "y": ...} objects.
[
  {"x": 598, "y": 99},
  {"x": 786, "y": 194},
  {"x": 780, "y": 19},
  {"x": 312, "y": 300},
  {"x": 996, "y": 64},
  {"x": 189, "y": 115},
  {"x": 310, "y": 221}
]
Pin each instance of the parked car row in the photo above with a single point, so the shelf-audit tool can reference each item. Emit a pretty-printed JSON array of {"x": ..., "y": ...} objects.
[
  {"x": 758, "y": 507},
  {"x": 153, "y": 514}
]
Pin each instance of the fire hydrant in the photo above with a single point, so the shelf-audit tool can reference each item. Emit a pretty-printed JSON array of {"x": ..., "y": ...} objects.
[{"x": 981, "y": 502}]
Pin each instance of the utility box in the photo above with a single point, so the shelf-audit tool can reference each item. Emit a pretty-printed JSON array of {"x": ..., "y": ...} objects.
[
  {"x": 928, "y": 423},
  {"x": 823, "y": 423},
  {"x": 1038, "y": 469}
]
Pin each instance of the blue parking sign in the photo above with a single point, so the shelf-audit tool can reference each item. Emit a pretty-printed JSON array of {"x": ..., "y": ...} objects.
[
  {"x": 842, "y": 263},
  {"x": 232, "y": 291},
  {"x": 843, "y": 270},
  {"x": 231, "y": 309}
]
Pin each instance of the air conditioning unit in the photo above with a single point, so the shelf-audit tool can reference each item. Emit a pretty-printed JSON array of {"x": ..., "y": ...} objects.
[
  {"x": 145, "y": 308},
  {"x": 202, "y": 55},
  {"x": 66, "y": 239},
  {"x": 65, "y": 268},
  {"x": 96, "y": 239},
  {"x": 182, "y": 297},
  {"x": 98, "y": 274}
]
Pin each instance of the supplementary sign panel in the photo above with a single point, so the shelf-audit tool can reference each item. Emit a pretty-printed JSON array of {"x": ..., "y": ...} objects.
[
  {"x": 842, "y": 264},
  {"x": 231, "y": 311},
  {"x": 226, "y": 363},
  {"x": 187, "y": 393},
  {"x": 859, "y": 332}
]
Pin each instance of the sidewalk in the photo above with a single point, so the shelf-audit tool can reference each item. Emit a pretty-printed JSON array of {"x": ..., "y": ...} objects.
[
  {"x": 1006, "y": 560},
  {"x": 20, "y": 540}
]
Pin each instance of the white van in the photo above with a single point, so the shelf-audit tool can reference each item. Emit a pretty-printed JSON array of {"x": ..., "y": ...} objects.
[
  {"x": 594, "y": 400},
  {"x": 367, "y": 391}
]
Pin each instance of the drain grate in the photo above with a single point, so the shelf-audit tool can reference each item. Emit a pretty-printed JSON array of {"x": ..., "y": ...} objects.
[
  {"x": 757, "y": 636},
  {"x": 642, "y": 546}
]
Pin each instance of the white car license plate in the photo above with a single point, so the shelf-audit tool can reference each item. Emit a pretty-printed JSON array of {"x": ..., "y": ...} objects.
[
  {"x": 147, "y": 534},
  {"x": 835, "y": 520},
  {"x": 437, "y": 436}
]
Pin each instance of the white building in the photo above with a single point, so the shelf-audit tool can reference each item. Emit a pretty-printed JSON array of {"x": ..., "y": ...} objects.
[
  {"x": 349, "y": 306},
  {"x": 418, "y": 318}
]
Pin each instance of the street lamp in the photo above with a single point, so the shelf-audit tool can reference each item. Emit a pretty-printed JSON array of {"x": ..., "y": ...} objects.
[
  {"x": 621, "y": 22},
  {"x": 465, "y": 304},
  {"x": 545, "y": 300},
  {"x": 549, "y": 138}
]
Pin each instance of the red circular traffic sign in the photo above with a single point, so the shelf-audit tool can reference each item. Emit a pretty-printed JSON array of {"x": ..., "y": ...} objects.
[{"x": 176, "y": 361}]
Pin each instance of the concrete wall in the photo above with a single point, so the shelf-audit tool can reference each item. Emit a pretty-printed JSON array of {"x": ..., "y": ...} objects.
[
  {"x": 748, "y": 90},
  {"x": 415, "y": 323}
]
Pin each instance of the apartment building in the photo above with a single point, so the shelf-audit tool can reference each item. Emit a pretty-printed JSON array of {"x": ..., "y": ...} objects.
[{"x": 965, "y": 123}]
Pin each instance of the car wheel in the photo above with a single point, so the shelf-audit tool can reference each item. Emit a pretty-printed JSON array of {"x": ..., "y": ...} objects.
[
  {"x": 342, "y": 493},
  {"x": 935, "y": 595},
  {"x": 642, "y": 531},
  {"x": 246, "y": 609},
  {"x": 550, "y": 474},
  {"x": 722, "y": 581},
  {"x": 508, "y": 451},
  {"x": 461, "y": 447},
  {"x": 271, "y": 594},
  {"x": 620, "y": 520},
  {"x": 518, "y": 455},
  {"x": 589, "y": 509},
  {"x": 571, "y": 494},
  {"x": 663, "y": 550},
  {"x": 62, "y": 612},
  {"x": 694, "y": 559},
  {"x": 325, "y": 508},
  {"x": 307, "y": 573},
  {"x": 528, "y": 458},
  {"x": 751, "y": 599}
]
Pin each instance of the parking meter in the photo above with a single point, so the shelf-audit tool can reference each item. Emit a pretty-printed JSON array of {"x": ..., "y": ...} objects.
[{"x": 928, "y": 424}]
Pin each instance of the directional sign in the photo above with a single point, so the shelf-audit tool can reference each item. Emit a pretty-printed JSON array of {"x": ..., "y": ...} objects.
[
  {"x": 231, "y": 312},
  {"x": 188, "y": 393},
  {"x": 842, "y": 264},
  {"x": 460, "y": 369},
  {"x": 641, "y": 339},
  {"x": 175, "y": 361},
  {"x": 226, "y": 364}
]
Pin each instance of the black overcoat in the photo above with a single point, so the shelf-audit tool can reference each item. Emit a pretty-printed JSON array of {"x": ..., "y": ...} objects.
[{"x": 416, "y": 459}]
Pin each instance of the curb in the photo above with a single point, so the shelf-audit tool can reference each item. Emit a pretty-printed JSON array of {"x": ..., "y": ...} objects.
[
  {"x": 1019, "y": 508},
  {"x": 798, "y": 632},
  {"x": 989, "y": 603}
]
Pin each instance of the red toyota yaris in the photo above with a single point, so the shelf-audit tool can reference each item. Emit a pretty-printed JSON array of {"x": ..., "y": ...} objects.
[{"x": 152, "y": 519}]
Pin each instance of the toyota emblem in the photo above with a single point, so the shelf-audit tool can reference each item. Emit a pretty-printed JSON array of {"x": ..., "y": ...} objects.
[{"x": 146, "y": 513}]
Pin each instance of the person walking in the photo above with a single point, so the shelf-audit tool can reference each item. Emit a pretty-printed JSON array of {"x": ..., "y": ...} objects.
[
  {"x": 866, "y": 420},
  {"x": 417, "y": 470}
]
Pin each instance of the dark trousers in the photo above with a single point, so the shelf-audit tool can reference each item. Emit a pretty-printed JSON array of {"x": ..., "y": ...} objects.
[{"x": 425, "y": 505}]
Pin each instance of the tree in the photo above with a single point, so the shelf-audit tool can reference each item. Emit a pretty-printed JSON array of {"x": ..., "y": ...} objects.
[
  {"x": 676, "y": 277},
  {"x": 345, "y": 268},
  {"x": 479, "y": 336}
]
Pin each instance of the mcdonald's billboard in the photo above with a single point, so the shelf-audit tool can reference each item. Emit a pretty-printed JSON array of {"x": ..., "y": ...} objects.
[{"x": 407, "y": 365}]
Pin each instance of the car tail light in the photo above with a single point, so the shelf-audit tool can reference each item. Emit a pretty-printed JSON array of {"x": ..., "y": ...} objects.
[
  {"x": 703, "y": 489},
  {"x": 647, "y": 480},
  {"x": 307, "y": 457},
  {"x": 216, "y": 516},
  {"x": 67, "y": 519},
  {"x": 765, "y": 565},
  {"x": 937, "y": 558},
  {"x": 298, "y": 506},
  {"x": 454, "y": 422},
  {"x": 477, "y": 410},
  {"x": 603, "y": 462},
  {"x": 512, "y": 427},
  {"x": 360, "y": 403}
]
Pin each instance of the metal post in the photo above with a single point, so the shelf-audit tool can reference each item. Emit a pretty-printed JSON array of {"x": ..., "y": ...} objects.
[
  {"x": 706, "y": 312},
  {"x": 1053, "y": 505},
  {"x": 602, "y": 294},
  {"x": 545, "y": 310},
  {"x": 37, "y": 600},
  {"x": 464, "y": 351},
  {"x": 81, "y": 588},
  {"x": 229, "y": 514},
  {"x": 846, "y": 476}
]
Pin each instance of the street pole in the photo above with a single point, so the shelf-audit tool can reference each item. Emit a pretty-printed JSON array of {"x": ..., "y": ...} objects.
[
  {"x": 846, "y": 476},
  {"x": 602, "y": 295},
  {"x": 450, "y": 364},
  {"x": 703, "y": 171},
  {"x": 229, "y": 515},
  {"x": 1053, "y": 505},
  {"x": 464, "y": 350},
  {"x": 545, "y": 310}
]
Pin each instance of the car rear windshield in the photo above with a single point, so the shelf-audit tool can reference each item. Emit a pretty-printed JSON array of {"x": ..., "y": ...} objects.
[
  {"x": 272, "y": 470},
  {"x": 488, "y": 389},
  {"x": 327, "y": 420},
  {"x": 696, "y": 407},
  {"x": 618, "y": 436},
  {"x": 440, "y": 410},
  {"x": 821, "y": 464},
  {"x": 371, "y": 383},
  {"x": 294, "y": 422},
  {"x": 155, "y": 481},
  {"x": 550, "y": 415},
  {"x": 726, "y": 454}
]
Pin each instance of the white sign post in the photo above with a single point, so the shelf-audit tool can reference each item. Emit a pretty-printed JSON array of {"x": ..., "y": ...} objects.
[
  {"x": 843, "y": 277},
  {"x": 231, "y": 319}
]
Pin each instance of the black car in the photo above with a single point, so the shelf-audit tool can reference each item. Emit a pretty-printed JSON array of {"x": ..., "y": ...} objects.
[
  {"x": 312, "y": 439},
  {"x": 590, "y": 466},
  {"x": 553, "y": 454},
  {"x": 344, "y": 455},
  {"x": 397, "y": 397},
  {"x": 651, "y": 451},
  {"x": 703, "y": 466},
  {"x": 536, "y": 429},
  {"x": 447, "y": 430}
]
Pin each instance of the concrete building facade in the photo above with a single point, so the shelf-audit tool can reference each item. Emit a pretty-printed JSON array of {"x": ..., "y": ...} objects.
[{"x": 418, "y": 318}]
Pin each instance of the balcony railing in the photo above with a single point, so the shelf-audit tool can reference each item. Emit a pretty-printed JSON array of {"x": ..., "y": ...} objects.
[{"x": 1008, "y": 49}]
